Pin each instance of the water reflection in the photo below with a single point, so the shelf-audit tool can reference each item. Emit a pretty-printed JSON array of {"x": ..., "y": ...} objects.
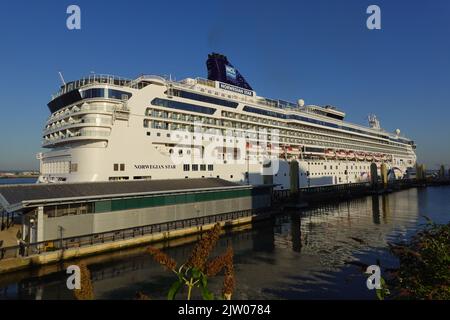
[
  {"x": 376, "y": 209},
  {"x": 299, "y": 255}
]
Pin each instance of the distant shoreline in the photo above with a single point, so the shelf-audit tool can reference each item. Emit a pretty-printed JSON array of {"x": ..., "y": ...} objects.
[{"x": 19, "y": 177}]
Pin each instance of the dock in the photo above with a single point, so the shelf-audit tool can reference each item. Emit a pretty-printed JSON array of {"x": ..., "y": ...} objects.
[
  {"x": 70, "y": 220},
  {"x": 61, "y": 222}
]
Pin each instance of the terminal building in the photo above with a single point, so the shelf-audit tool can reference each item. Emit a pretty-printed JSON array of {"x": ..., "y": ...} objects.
[{"x": 50, "y": 212}]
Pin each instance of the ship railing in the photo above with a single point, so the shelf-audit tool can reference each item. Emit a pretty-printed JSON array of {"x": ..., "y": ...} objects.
[{"x": 92, "y": 79}]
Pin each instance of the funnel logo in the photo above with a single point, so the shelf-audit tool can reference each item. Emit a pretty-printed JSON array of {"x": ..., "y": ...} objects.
[{"x": 231, "y": 72}]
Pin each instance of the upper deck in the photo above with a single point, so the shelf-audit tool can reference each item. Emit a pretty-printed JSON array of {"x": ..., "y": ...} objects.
[{"x": 328, "y": 115}]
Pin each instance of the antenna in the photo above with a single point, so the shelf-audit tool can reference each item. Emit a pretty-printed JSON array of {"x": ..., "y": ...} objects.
[
  {"x": 62, "y": 78},
  {"x": 373, "y": 122}
]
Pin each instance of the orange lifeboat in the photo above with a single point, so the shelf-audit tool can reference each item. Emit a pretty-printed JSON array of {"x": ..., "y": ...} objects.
[
  {"x": 329, "y": 153},
  {"x": 351, "y": 155},
  {"x": 360, "y": 156},
  {"x": 341, "y": 154}
]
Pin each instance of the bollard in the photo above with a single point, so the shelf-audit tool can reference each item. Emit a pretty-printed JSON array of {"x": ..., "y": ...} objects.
[
  {"x": 420, "y": 173},
  {"x": 424, "y": 174},
  {"x": 384, "y": 175}
]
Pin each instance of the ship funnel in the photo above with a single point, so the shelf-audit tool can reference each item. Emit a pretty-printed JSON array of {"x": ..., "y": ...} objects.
[{"x": 220, "y": 69}]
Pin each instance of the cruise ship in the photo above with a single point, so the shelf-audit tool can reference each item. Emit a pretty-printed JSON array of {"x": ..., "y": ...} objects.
[{"x": 104, "y": 128}]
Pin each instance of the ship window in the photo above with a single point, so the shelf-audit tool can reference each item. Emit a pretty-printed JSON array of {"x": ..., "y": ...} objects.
[
  {"x": 185, "y": 167},
  {"x": 148, "y": 133},
  {"x": 93, "y": 93},
  {"x": 202, "y": 98},
  {"x": 142, "y": 177},
  {"x": 203, "y": 167},
  {"x": 117, "y": 94},
  {"x": 118, "y": 178},
  {"x": 210, "y": 167},
  {"x": 181, "y": 106},
  {"x": 195, "y": 167},
  {"x": 116, "y": 167},
  {"x": 122, "y": 167},
  {"x": 64, "y": 100},
  {"x": 73, "y": 167}
]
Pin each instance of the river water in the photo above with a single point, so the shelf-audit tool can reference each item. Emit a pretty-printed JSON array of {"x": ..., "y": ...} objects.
[
  {"x": 297, "y": 255},
  {"x": 18, "y": 181}
]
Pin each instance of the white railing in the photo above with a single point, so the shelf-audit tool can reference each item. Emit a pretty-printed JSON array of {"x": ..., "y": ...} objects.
[{"x": 92, "y": 79}]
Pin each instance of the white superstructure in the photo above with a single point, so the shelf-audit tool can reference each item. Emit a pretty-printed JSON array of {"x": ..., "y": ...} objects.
[{"x": 107, "y": 128}]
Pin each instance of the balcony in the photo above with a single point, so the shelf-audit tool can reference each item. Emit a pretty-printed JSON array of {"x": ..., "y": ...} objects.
[{"x": 90, "y": 133}]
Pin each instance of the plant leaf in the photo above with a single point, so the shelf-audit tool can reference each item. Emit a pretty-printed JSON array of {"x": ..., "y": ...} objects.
[
  {"x": 174, "y": 290},
  {"x": 204, "y": 280},
  {"x": 206, "y": 294},
  {"x": 196, "y": 274}
]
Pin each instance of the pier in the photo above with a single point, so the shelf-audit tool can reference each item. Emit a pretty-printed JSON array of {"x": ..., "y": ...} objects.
[{"x": 67, "y": 221}]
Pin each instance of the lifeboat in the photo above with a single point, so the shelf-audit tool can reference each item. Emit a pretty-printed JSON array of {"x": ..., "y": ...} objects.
[
  {"x": 351, "y": 155},
  {"x": 384, "y": 157},
  {"x": 330, "y": 153},
  {"x": 295, "y": 150},
  {"x": 341, "y": 154},
  {"x": 369, "y": 157},
  {"x": 377, "y": 157},
  {"x": 360, "y": 156}
]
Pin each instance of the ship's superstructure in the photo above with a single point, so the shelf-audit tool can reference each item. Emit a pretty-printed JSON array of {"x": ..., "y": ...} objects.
[{"x": 108, "y": 128}]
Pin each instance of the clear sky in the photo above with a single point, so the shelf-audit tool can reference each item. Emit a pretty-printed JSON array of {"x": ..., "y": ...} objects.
[{"x": 317, "y": 50}]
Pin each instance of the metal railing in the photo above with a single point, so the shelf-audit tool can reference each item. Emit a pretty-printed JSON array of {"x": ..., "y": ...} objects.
[
  {"x": 124, "y": 234},
  {"x": 92, "y": 79}
]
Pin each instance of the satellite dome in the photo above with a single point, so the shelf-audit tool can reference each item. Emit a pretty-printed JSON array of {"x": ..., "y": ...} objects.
[
  {"x": 301, "y": 102},
  {"x": 397, "y": 131}
]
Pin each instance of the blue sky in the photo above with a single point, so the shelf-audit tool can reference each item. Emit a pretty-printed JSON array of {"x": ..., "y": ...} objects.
[{"x": 318, "y": 50}]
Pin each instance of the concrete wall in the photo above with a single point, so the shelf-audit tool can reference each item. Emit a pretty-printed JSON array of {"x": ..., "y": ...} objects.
[{"x": 108, "y": 221}]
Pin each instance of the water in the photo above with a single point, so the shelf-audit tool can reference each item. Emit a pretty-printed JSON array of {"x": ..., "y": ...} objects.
[
  {"x": 293, "y": 256},
  {"x": 18, "y": 181}
]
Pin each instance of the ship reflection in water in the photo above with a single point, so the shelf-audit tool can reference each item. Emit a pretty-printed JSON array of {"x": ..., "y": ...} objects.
[{"x": 294, "y": 256}]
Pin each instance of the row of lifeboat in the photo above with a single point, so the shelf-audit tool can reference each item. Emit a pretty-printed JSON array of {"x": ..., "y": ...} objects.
[
  {"x": 329, "y": 153},
  {"x": 353, "y": 155}
]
